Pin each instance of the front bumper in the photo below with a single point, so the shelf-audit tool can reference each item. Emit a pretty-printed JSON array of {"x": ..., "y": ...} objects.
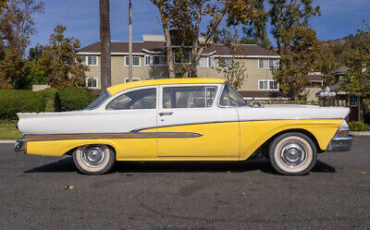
[
  {"x": 20, "y": 145},
  {"x": 340, "y": 144}
]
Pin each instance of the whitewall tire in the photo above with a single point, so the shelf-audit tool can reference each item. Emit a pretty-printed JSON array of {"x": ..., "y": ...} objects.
[
  {"x": 94, "y": 159},
  {"x": 293, "y": 154}
]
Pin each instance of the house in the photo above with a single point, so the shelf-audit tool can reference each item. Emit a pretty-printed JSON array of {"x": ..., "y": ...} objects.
[
  {"x": 150, "y": 62},
  {"x": 343, "y": 97}
]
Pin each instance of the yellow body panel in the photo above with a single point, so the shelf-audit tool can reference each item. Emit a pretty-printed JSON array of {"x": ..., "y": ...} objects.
[
  {"x": 220, "y": 141},
  {"x": 120, "y": 87},
  {"x": 254, "y": 133},
  {"x": 217, "y": 140}
]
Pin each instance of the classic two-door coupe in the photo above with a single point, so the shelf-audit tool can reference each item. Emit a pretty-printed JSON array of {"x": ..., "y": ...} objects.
[{"x": 184, "y": 120}]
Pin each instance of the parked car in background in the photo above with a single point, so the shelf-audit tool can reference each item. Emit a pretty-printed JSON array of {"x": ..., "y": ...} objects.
[{"x": 190, "y": 119}]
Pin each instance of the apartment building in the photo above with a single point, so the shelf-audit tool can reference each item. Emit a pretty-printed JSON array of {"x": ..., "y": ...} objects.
[{"x": 149, "y": 62}]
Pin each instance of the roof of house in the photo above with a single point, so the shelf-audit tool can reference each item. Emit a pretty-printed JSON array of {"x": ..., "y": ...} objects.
[
  {"x": 340, "y": 70},
  {"x": 173, "y": 81},
  {"x": 152, "y": 47},
  {"x": 316, "y": 77}
]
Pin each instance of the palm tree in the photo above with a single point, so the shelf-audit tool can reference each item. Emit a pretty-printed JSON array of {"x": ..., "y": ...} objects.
[{"x": 105, "y": 71}]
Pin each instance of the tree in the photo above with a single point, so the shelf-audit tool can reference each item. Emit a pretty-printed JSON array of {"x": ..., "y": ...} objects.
[
  {"x": 16, "y": 27},
  {"x": 297, "y": 44},
  {"x": 255, "y": 30},
  {"x": 298, "y": 60},
  {"x": 60, "y": 61},
  {"x": 357, "y": 59},
  {"x": 185, "y": 17},
  {"x": 33, "y": 66},
  {"x": 234, "y": 73},
  {"x": 167, "y": 11},
  {"x": 105, "y": 43}
]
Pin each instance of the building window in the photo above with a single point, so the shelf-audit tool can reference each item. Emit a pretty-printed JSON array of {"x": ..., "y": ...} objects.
[
  {"x": 268, "y": 85},
  {"x": 225, "y": 62},
  {"x": 126, "y": 79},
  {"x": 135, "y": 61},
  {"x": 92, "y": 60},
  {"x": 91, "y": 82},
  {"x": 268, "y": 63},
  {"x": 83, "y": 60},
  {"x": 202, "y": 62},
  {"x": 155, "y": 60}
]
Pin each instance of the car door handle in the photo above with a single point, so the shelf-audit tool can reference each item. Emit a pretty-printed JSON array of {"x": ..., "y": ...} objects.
[{"x": 165, "y": 114}]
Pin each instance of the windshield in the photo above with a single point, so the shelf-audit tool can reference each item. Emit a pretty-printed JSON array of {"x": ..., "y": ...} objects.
[
  {"x": 98, "y": 101},
  {"x": 230, "y": 97}
]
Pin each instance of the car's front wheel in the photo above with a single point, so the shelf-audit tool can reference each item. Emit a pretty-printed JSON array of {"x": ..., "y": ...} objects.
[
  {"x": 293, "y": 154},
  {"x": 94, "y": 159}
]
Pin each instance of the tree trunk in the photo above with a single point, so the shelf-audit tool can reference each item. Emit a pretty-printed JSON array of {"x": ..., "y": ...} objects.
[
  {"x": 105, "y": 50},
  {"x": 170, "y": 59}
]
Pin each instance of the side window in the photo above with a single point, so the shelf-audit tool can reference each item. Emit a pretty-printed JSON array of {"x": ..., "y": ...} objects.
[
  {"x": 138, "y": 99},
  {"x": 230, "y": 97},
  {"x": 189, "y": 97}
]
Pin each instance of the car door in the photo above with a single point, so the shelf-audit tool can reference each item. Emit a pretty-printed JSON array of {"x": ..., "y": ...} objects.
[
  {"x": 133, "y": 115},
  {"x": 190, "y": 123}
]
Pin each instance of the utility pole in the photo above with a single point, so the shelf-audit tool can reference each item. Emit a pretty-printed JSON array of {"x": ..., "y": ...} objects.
[{"x": 130, "y": 41}]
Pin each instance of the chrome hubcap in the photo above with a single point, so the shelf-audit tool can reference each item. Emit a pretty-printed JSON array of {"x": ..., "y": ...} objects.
[
  {"x": 293, "y": 154},
  {"x": 93, "y": 156}
]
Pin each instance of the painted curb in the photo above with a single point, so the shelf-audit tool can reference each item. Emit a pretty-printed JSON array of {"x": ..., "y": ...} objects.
[
  {"x": 7, "y": 141},
  {"x": 365, "y": 133}
]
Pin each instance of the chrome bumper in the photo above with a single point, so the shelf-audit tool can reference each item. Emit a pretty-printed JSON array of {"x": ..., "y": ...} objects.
[
  {"x": 340, "y": 144},
  {"x": 20, "y": 145}
]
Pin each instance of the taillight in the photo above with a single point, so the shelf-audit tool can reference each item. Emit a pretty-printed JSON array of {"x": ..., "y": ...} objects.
[{"x": 16, "y": 126}]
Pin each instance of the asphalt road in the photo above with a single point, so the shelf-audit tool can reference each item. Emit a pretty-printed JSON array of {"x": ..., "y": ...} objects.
[{"x": 172, "y": 196}]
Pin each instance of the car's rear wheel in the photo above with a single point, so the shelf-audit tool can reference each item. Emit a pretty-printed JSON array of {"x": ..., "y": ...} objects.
[
  {"x": 94, "y": 159},
  {"x": 293, "y": 154}
]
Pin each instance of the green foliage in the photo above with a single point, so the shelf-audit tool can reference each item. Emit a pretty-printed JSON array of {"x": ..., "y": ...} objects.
[
  {"x": 16, "y": 27},
  {"x": 60, "y": 62},
  {"x": 72, "y": 98},
  {"x": 19, "y": 101},
  {"x": 301, "y": 50},
  {"x": 357, "y": 81},
  {"x": 234, "y": 74},
  {"x": 49, "y": 95},
  {"x": 358, "y": 126}
]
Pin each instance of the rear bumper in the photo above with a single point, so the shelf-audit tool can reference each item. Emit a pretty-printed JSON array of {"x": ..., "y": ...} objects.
[
  {"x": 340, "y": 144},
  {"x": 20, "y": 145}
]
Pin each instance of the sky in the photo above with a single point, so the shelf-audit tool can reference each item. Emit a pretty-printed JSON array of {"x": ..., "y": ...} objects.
[{"x": 338, "y": 18}]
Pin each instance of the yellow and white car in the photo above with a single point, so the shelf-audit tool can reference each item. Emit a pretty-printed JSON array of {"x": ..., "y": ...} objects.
[{"x": 191, "y": 119}]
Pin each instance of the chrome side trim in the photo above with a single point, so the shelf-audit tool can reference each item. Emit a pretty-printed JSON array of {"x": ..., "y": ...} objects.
[
  {"x": 215, "y": 122},
  {"x": 133, "y": 135}
]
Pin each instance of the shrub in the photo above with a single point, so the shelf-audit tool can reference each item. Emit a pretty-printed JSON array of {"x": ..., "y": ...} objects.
[
  {"x": 72, "y": 98},
  {"x": 358, "y": 126},
  {"x": 49, "y": 95},
  {"x": 19, "y": 101}
]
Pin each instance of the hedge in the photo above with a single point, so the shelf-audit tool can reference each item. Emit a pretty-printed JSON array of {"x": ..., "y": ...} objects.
[
  {"x": 18, "y": 101},
  {"x": 71, "y": 98},
  {"x": 49, "y": 96},
  {"x": 358, "y": 126}
]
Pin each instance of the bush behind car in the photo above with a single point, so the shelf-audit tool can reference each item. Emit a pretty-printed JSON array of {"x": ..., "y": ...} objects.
[
  {"x": 19, "y": 101},
  {"x": 72, "y": 98},
  {"x": 49, "y": 100}
]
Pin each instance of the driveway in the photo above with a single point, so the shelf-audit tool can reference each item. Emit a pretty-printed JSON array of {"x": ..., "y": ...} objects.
[{"x": 47, "y": 193}]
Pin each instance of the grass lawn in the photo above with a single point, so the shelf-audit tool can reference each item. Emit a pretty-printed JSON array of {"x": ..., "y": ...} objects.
[{"x": 8, "y": 130}]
